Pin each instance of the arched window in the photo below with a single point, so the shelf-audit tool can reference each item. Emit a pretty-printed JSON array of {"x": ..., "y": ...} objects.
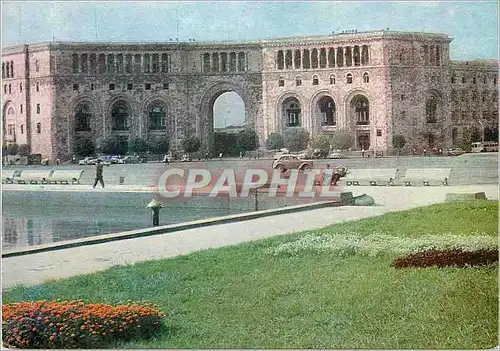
[
  {"x": 297, "y": 59},
  {"x": 215, "y": 62},
  {"x": 356, "y": 55},
  {"x": 21, "y": 87},
  {"x": 119, "y": 116},
  {"x": 298, "y": 81},
  {"x": 453, "y": 79},
  {"x": 206, "y": 62},
  {"x": 288, "y": 59},
  {"x": 331, "y": 57},
  {"x": 12, "y": 69},
  {"x": 322, "y": 58},
  {"x": 157, "y": 116},
  {"x": 361, "y": 109},
  {"x": 366, "y": 78},
  {"x": 332, "y": 78},
  {"x": 74, "y": 64},
  {"x": 291, "y": 111},
  {"x": 327, "y": 110},
  {"x": 3, "y": 70},
  {"x": 431, "y": 107},
  {"x": 241, "y": 62},
  {"x": 38, "y": 127},
  {"x": 314, "y": 58},
  {"x": 8, "y": 70},
  {"x": 349, "y": 78},
  {"x": 82, "y": 117},
  {"x": 37, "y": 65},
  {"x": 364, "y": 55},
  {"x": 348, "y": 56},
  {"x": 315, "y": 80},
  {"x": 10, "y": 89}
]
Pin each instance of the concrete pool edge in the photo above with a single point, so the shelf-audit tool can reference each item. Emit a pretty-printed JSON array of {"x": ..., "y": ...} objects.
[{"x": 175, "y": 227}]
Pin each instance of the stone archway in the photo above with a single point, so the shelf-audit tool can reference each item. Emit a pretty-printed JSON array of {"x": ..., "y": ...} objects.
[
  {"x": 205, "y": 123},
  {"x": 9, "y": 122},
  {"x": 325, "y": 112}
]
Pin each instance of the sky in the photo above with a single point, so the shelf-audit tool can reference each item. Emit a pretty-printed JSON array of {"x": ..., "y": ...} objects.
[{"x": 473, "y": 25}]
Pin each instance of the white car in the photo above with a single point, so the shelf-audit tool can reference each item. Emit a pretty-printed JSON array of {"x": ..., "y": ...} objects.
[
  {"x": 86, "y": 161},
  {"x": 335, "y": 155}
]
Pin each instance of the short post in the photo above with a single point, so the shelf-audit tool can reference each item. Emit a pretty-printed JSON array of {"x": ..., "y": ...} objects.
[{"x": 155, "y": 206}]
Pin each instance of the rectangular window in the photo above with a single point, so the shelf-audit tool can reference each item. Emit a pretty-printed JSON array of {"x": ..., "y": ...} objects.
[
  {"x": 37, "y": 108},
  {"x": 379, "y": 132},
  {"x": 165, "y": 86},
  {"x": 22, "y": 128},
  {"x": 11, "y": 129},
  {"x": 148, "y": 86},
  {"x": 92, "y": 63},
  {"x": 402, "y": 97},
  {"x": 21, "y": 109},
  {"x": 75, "y": 86},
  {"x": 111, "y": 87},
  {"x": 130, "y": 86},
  {"x": 281, "y": 83},
  {"x": 91, "y": 86},
  {"x": 403, "y": 114},
  {"x": 83, "y": 63},
  {"x": 137, "y": 63},
  {"x": 102, "y": 63}
]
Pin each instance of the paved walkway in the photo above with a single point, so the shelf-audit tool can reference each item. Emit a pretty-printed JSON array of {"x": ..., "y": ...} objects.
[{"x": 36, "y": 268}]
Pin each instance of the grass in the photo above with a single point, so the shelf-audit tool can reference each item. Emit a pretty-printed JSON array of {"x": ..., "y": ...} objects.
[{"x": 244, "y": 297}]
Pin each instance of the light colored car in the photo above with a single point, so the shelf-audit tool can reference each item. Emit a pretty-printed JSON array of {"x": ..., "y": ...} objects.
[
  {"x": 335, "y": 155},
  {"x": 280, "y": 153},
  {"x": 286, "y": 162},
  {"x": 130, "y": 159},
  {"x": 86, "y": 161},
  {"x": 186, "y": 158},
  {"x": 454, "y": 151}
]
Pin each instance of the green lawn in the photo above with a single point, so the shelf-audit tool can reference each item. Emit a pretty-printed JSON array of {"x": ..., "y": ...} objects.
[{"x": 247, "y": 297}]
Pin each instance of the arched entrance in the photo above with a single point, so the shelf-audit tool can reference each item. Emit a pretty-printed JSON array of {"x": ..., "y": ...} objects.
[
  {"x": 228, "y": 121},
  {"x": 326, "y": 111},
  {"x": 359, "y": 116},
  {"x": 292, "y": 112},
  {"x": 214, "y": 114}
]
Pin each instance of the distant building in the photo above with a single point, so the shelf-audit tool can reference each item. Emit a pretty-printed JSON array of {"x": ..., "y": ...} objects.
[
  {"x": 375, "y": 84},
  {"x": 231, "y": 129}
]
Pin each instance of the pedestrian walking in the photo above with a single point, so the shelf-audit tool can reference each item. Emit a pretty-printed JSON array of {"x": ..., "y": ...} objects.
[
  {"x": 98, "y": 174},
  {"x": 220, "y": 156}
]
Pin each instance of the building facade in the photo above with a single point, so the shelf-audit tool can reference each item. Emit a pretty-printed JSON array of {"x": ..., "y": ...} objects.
[{"x": 372, "y": 84}]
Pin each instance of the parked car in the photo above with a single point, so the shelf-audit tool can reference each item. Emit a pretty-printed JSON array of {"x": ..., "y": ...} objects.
[
  {"x": 130, "y": 159},
  {"x": 186, "y": 158},
  {"x": 335, "y": 155},
  {"x": 286, "y": 162},
  {"x": 319, "y": 154},
  {"x": 86, "y": 161},
  {"x": 281, "y": 152},
  {"x": 454, "y": 151}
]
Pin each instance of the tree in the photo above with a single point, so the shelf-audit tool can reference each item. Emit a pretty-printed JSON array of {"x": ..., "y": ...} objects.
[
  {"x": 159, "y": 145},
  {"x": 321, "y": 142},
  {"x": 137, "y": 145},
  {"x": 12, "y": 149},
  {"x": 24, "y": 150},
  {"x": 191, "y": 144},
  {"x": 342, "y": 140},
  {"x": 227, "y": 143},
  {"x": 296, "y": 139},
  {"x": 247, "y": 140},
  {"x": 274, "y": 141},
  {"x": 398, "y": 141},
  {"x": 84, "y": 147},
  {"x": 114, "y": 146}
]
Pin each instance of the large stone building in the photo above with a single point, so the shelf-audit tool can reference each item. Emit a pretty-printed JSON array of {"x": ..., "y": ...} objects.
[{"x": 374, "y": 84}]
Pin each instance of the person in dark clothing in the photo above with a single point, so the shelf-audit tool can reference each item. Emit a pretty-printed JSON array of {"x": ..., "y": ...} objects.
[{"x": 98, "y": 174}]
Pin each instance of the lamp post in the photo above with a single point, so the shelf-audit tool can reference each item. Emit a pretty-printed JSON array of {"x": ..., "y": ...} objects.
[{"x": 482, "y": 130}]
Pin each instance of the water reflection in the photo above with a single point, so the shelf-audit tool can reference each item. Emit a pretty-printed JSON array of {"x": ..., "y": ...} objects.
[{"x": 30, "y": 218}]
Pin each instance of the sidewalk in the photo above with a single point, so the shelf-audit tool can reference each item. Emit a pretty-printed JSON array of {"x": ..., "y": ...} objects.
[{"x": 36, "y": 268}]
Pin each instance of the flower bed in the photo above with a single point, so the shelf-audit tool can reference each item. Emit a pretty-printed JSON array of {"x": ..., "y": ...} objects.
[
  {"x": 73, "y": 324},
  {"x": 448, "y": 258}
]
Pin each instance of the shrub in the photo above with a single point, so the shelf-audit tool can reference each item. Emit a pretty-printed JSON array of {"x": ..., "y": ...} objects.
[
  {"x": 73, "y": 324},
  {"x": 322, "y": 142},
  {"x": 296, "y": 138},
  {"x": 83, "y": 147},
  {"x": 191, "y": 144},
  {"x": 448, "y": 258},
  {"x": 159, "y": 145},
  {"x": 12, "y": 149},
  {"x": 275, "y": 141},
  {"x": 342, "y": 140},
  {"x": 398, "y": 141},
  {"x": 24, "y": 150},
  {"x": 247, "y": 140},
  {"x": 137, "y": 145},
  {"x": 115, "y": 145}
]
